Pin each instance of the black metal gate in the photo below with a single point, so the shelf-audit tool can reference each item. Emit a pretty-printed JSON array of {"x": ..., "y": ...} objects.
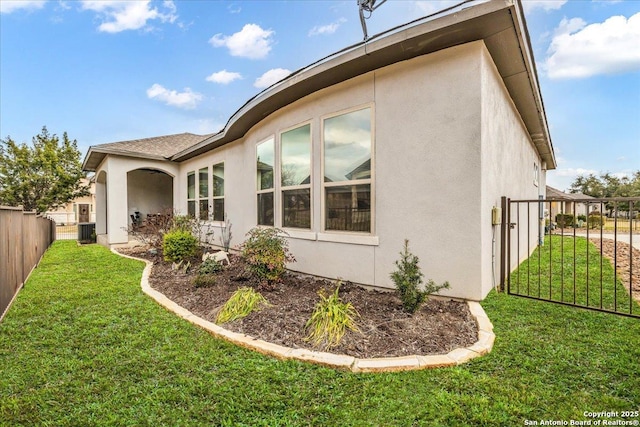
[{"x": 574, "y": 251}]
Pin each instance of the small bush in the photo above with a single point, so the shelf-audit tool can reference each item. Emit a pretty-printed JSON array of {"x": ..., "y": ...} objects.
[
  {"x": 210, "y": 266},
  {"x": 582, "y": 218},
  {"x": 204, "y": 280},
  {"x": 564, "y": 220},
  {"x": 330, "y": 320},
  {"x": 242, "y": 303},
  {"x": 266, "y": 253},
  {"x": 408, "y": 279},
  {"x": 178, "y": 245},
  {"x": 596, "y": 220}
]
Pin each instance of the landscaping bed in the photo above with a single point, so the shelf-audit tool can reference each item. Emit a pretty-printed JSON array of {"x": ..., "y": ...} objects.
[{"x": 385, "y": 330}]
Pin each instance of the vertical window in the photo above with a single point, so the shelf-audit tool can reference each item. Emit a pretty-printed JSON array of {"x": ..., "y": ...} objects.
[
  {"x": 203, "y": 193},
  {"x": 347, "y": 171},
  {"x": 265, "y": 162},
  {"x": 295, "y": 177},
  {"x": 191, "y": 194},
  {"x": 217, "y": 172},
  {"x": 536, "y": 174}
]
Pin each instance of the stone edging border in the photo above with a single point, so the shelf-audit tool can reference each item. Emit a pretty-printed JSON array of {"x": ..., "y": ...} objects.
[{"x": 486, "y": 338}]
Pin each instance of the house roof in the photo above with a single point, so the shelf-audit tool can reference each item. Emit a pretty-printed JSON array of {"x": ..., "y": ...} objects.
[
  {"x": 160, "y": 148},
  {"x": 499, "y": 23},
  {"x": 554, "y": 193}
]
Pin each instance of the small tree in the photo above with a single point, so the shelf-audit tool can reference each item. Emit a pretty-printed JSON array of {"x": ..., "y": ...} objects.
[
  {"x": 41, "y": 177},
  {"x": 408, "y": 279}
]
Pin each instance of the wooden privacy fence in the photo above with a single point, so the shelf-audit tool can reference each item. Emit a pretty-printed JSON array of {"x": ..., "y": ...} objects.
[{"x": 24, "y": 237}]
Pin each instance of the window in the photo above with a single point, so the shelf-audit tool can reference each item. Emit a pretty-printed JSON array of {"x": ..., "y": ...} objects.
[
  {"x": 536, "y": 174},
  {"x": 203, "y": 193},
  {"x": 218, "y": 191},
  {"x": 265, "y": 162},
  {"x": 191, "y": 194},
  {"x": 347, "y": 171},
  {"x": 295, "y": 177}
]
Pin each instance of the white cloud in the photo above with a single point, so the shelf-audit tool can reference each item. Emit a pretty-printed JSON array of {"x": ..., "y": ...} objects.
[
  {"x": 580, "y": 50},
  {"x": 251, "y": 42},
  {"x": 546, "y": 5},
  {"x": 271, "y": 77},
  {"x": 223, "y": 77},
  {"x": 187, "y": 99},
  {"x": 574, "y": 172},
  {"x": 326, "y": 29},
  {"x": 130, "y": 15},
  {"x": 427, "y": 7},
  {"x": 234, "y": 8},
  {"x": 8, "y": 6}
]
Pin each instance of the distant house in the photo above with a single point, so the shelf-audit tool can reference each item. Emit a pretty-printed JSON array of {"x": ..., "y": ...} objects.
[
  {"x": 415, "y": 133},
  {"x": 78, "y": 210},
  {"x": 570, "y": 203}
]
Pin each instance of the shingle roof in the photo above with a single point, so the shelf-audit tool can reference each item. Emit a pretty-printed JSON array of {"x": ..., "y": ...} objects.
[
  {"x": 160, "y": 147},
  {"x": 164, "y": 146},
  {"x": 554, "y": 193}
]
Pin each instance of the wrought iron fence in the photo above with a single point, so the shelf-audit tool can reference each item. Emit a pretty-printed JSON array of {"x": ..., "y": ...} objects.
[{"x": 570, "y": 252}]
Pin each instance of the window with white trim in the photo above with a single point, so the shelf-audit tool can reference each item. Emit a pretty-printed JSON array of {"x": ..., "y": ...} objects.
[
  {"x": 191, "y": 194},
  {"x": 217, "y": 172},
  {"x": 347, "y": 171},
  {"x": 295, "y": 177},
  {"x": 536, "y": 174},
  {"x": 265, "y": 167}
]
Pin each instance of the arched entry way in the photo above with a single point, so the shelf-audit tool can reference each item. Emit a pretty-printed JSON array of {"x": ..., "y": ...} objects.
[{"x": 149, "y": 192}]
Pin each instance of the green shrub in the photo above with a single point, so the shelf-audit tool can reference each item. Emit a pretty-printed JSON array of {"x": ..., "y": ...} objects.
[
  {"x": 266, "y": 253},
  {"x": 210, "y": 266},
  {"x": 596, "y": 220},
  {"x": 582, "y": 218},
  {"x": 330, "y": 320},
  {"x": 242, "y": 303},
  {"x": 408, "y": 279},
  {"x": 204, "y": 280},
  {"x": 182, "y": 222},
  {"x": 178, "y": 245},
  {"x": 564, "y": 220}
]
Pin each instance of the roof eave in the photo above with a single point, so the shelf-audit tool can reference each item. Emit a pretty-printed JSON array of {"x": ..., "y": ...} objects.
[
  {"x": 95, "y": 156},
  {"x": 494, "y": 22}
]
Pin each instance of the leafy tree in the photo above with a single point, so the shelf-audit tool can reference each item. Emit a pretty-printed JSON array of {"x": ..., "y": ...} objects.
[
  {"x": 43, "y": 176},
  {"x": 608, "y": 185}
]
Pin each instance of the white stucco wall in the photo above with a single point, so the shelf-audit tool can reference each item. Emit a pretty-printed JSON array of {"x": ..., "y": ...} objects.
[
  {"x": 448, "y": 143},
  {"x": 427, "y": 186},
  {"x": 508, "y": 158},
  {"x": 117, "y": 215}
]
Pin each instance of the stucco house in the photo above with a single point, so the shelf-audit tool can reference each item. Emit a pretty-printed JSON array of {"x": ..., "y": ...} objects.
[
  {"x": 415, "y": 133},
  {"x": 81, "y": 209},
  {"x": 569, "y": 203}
]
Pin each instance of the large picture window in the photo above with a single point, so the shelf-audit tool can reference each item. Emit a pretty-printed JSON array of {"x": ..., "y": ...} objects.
[
  {"x": 347, "y": 171},
  {"x": 218, "y": 191},
  {"x": 265, "y": 166},
  {"x": 295, "y": 177}
]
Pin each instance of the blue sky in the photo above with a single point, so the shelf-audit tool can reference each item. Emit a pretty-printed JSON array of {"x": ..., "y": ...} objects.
[{"x": 107, "y": 71}]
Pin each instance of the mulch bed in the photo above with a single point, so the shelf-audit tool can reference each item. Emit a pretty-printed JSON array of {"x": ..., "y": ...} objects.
[{"x": 385, "y": 329}]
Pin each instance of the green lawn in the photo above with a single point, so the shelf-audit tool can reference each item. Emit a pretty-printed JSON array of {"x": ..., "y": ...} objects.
[
  {"x": 572, "y": 271},
  {"x": 83, "y": 346}
]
